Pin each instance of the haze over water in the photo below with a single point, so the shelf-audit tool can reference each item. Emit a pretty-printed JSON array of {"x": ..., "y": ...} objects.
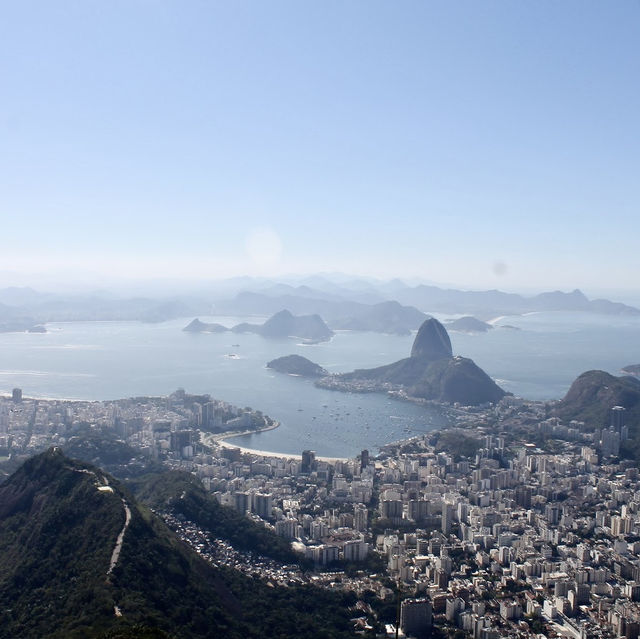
[{"x": 111, "y": 360}]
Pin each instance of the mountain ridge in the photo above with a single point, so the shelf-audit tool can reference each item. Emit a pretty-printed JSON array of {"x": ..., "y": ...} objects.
[{"x": 61, "y": 522}]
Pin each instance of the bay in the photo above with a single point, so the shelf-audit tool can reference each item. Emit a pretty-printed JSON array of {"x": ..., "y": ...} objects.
[{"x": 111, "y": 360}]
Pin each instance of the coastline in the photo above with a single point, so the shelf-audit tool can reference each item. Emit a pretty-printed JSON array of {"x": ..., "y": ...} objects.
[{"x": 221, "y": 438}]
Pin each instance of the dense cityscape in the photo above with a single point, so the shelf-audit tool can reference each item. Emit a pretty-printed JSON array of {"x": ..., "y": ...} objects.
[{"x": 509, "y": 523}]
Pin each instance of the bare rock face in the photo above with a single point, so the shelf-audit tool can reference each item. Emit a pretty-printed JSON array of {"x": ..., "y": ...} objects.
[{"x": 432, "y": 342}]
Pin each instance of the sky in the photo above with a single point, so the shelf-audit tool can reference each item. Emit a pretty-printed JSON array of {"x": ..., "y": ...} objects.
[{"x": 484, "y": 144}]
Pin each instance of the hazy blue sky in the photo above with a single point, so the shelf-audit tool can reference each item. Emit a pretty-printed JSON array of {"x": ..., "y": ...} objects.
[{"x": 487, "y": 144}]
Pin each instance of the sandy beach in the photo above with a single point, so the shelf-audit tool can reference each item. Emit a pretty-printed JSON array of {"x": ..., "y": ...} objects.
[{"x": 221, "y": 438}]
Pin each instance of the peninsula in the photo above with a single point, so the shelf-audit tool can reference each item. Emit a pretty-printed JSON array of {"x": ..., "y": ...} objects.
[{"x": 431, "y": 372}]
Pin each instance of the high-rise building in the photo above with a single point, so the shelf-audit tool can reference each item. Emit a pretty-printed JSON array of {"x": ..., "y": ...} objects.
[
  {"x": 308, "y": 461},
  {"x": 324, "y": 554},
  {"x": 617, "y": 418},
  {"x": 4, "y": 418},
  {"x": 415, "y": 616},
  {"x": 355, "y": 550},
  {"x": 523, "y": 496},
  {"x": 208, "y": 414},
  {"x": 178, "y": 439},
  {"x": 16, "y": 395},
  {"x": 360, "y": 516},
  {"x": 242, "y": 501},
  {"x": 263, "y": 505},
  {"x": 288, "y": 528},
  {"x": 364, "y": 459},
  {"x": 447, "y": 517}
]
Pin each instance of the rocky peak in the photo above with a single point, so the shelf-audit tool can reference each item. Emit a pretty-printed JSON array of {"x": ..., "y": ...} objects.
[{"x": 432, "y": 342}]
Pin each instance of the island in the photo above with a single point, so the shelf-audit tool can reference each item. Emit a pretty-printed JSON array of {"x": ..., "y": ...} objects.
[
  {"x": 37, "y": 329},
  {"x": 310, "y": 328},
  {"x": 632, "y": 369},
  {"x": 21, "y": 325},
  {"x": 468, "y": 324},
  {"x": 431, "y": 372},
  {"x": 297, "y": 365},
  {"x": 202, "y": 327}
]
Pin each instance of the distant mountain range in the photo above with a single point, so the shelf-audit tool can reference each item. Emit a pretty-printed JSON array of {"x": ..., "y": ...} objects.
[{"x": 389, "y": 307}]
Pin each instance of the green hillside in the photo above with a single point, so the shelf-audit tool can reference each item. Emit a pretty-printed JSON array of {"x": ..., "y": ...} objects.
[{"x": 59, "y": 523}]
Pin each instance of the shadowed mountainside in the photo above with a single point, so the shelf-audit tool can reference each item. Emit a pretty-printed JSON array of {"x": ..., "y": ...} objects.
[
  {"x": 594, "y": 393},
  {"x": 59, "y": 523}
]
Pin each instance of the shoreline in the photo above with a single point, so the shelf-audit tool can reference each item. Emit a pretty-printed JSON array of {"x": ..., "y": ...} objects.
[{"x": 221, "y": 438}]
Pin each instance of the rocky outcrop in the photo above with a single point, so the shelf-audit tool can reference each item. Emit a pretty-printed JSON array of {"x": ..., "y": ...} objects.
[{"x": 432, "y": 342}]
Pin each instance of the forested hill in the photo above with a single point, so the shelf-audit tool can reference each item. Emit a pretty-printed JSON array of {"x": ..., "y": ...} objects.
[{"x": 65, "y": 575}]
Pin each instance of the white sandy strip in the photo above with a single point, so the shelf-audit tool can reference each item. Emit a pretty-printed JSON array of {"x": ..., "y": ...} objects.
[{"x": 268, "y": 453}]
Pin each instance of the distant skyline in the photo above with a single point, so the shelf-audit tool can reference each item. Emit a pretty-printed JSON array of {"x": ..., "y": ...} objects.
[{"x": 475, "y": 144}]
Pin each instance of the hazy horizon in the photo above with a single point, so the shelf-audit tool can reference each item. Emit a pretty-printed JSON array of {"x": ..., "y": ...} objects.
[
  {"x": 175, "y": 287},
  {"x": 476, "y": 145}
]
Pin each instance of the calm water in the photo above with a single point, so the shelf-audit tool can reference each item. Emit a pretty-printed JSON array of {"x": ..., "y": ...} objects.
[{"x": 110, "y": 360}]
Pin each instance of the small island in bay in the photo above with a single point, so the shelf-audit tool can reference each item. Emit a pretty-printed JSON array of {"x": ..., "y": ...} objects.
[
  {"x": 202, "y": 327},
  {"x": 468, "y": 324},
  {"x": 632, "y": 369},
  {"x": 297, "y": 365},
  {"x": 21, "y": 325},
  {"x": 38, "y": 328},
  {"x": 310, "y": 328}
]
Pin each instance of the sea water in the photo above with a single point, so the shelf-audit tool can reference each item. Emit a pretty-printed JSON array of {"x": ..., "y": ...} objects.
[{"x": 537, "y": 359}]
